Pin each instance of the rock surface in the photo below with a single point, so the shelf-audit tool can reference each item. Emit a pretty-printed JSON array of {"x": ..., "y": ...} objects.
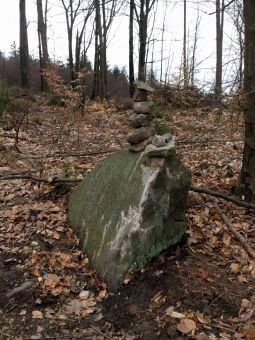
[
  {"x": 140, "y": 95},
  {"x": 139, "y": 147},
  {"x": 139, "y": 120},
  {"x": 143, "y": 86},
  {"x": 143, "y": 107},
  {"x": 164, "y": 151},
  {"x": 128, "y": 210},
  {"x": 160, "y": 141},
  {"x": 140, "y": 134}
]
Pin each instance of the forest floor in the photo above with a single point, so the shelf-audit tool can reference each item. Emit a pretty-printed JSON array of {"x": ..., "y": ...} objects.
[{"x": 202, "y": 289}]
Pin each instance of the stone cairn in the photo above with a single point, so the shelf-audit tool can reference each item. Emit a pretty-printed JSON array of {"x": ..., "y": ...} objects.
[{"x": 142, "y": 118}]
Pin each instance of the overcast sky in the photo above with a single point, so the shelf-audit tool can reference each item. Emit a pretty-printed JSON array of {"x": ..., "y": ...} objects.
[{"x": 118, "y": 42}]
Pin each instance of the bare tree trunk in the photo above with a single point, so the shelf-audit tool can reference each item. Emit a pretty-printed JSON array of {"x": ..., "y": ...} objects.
[
  {"x": 24, "y": 53},
  {"x": 80, "y": 36},
  {"x": 71, "y": 14},
  {"x": 194, "y": 50},
  {"x": 131, "y": 49},
  {"x": 104, "y": 54},
  {"x": 219, "y": 47},
  {"x": 142, "y": 41},
  {"x": 162, "y": 44},
  {"x": 185, "y": 61},
  {"x": 248, "y": 167},
  {"x": 43, "y": 43},
  {"x": 105, "y": 12}
]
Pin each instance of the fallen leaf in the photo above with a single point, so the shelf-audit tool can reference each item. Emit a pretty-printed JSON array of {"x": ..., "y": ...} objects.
[
  {"x": 74, "y": 307},
  {"x": 36, "y": 314},
  {"x": 235, "y": 267},
  {"x": 186, "y": 326}
]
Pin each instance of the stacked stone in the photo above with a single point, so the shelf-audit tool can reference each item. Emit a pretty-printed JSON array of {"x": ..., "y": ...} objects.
[{"x": 142, "y": 118}]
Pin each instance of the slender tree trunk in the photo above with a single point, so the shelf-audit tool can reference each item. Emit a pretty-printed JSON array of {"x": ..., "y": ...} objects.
[
  {"x": 185, "y": 61},
  {"x": 40, "y": 58},
  {"x": 43, "y": 43},
  {"x": 193, "y": 62},
  {"x": 70, "y": 53},
  {"x": 131, "y": 49},
  {"x": 24, "y": 53},
  {"x": 99, "y": 83},
  {"x": 248, "y": 167},
  {"x": 219, "y": 47},
  {"x": 104, "y": 54},
  {"x": 142, "y": 41}
]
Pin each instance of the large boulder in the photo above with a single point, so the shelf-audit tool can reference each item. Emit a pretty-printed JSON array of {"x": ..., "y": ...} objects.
[{"x": 128, "y": 210}]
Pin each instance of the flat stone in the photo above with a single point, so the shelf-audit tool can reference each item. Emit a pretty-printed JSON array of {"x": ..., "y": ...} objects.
[
  {"x": 162, "y": 140},
  {"x": 139, "y": 147},
  {"x": 143, "y": 107},
  {"x": 165, "y": 151},
  {"x": 128, "y": 211},
  {"x": 139, "y": 120},
  {"x": 143, "y": 86},
  {"x": 140, "y": 134},
  {"x": 140, "y": 95}
]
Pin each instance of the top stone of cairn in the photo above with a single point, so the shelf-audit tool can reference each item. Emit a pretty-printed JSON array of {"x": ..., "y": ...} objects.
[{"x": 140, "y": 85}]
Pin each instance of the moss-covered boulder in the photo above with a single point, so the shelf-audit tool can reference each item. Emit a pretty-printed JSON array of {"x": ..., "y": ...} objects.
[{"x": 128, "y": 210}]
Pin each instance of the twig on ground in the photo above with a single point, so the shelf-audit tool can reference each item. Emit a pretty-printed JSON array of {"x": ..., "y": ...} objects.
[
  {"x": 21, "y": 288},
  {"x": 240, "y": 238},
  {"x": 206, "y": 141},
  {"x": 224, "y": 196},
  {"x": 48, "y": 180},
  {"x": 70, "y": 154},
  {"x": 101, "y": 333}
]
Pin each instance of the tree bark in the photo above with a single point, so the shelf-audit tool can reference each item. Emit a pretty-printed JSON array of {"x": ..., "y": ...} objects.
[
  {"x": 142, "y": 41},
  {"x": 248, "y": 166},
  {"x": 185, "y": 61},
  {"x": 220, "y": 6},
  {"x": 71, "y": 14},
  {"x": 145, "y": 8},
  {"x": 24, "y": 53},
  {"x": 131, "y": 49},
  {"x": 43, "y": 42}
]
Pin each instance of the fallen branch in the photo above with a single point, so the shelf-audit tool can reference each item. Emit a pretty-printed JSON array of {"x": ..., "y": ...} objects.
[
  {"x": 240, "y": 238},
  {"x": 206, "y": 141},
  {"x": 70, "y": 154},
  {"x": 48, "y": 180},
  {"x": 224, "y": 196},
  {"x": 21, "y": 288}
]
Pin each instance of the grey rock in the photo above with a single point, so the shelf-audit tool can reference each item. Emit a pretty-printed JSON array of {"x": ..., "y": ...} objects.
[
  {"x": 139, "y": 147},
  {"x": 162, "y": 140},
  {"x": 140, "y": 134},
  {"x": 139, "y": 120},
  {"x": 143, "y": 107},
  {"x": 143, "y": 86},
  {"x": 129, "y": 210},
  {"x": 165, "y": 151},
  {"x": 140, "y": 95}
]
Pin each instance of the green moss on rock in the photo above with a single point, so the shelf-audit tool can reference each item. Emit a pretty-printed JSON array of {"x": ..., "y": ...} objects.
[{"x": 128, "y": 210}]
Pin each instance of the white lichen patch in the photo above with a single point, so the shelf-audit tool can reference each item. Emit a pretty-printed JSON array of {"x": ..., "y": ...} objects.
[{"x": 130, "y": 222}]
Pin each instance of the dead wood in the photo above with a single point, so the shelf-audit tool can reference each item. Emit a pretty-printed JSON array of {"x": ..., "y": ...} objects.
[
  {"x": 230, "y": 226},
  {"x": 69, "y": 154},
  {"x": 21, "y": 288},
  {"x": 48, "y": 180},
  {"x": 223, "y": 196}
]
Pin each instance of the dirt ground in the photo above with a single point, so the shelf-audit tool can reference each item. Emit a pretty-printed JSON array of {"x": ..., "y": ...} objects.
[{"x": 201, "y": 289}]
